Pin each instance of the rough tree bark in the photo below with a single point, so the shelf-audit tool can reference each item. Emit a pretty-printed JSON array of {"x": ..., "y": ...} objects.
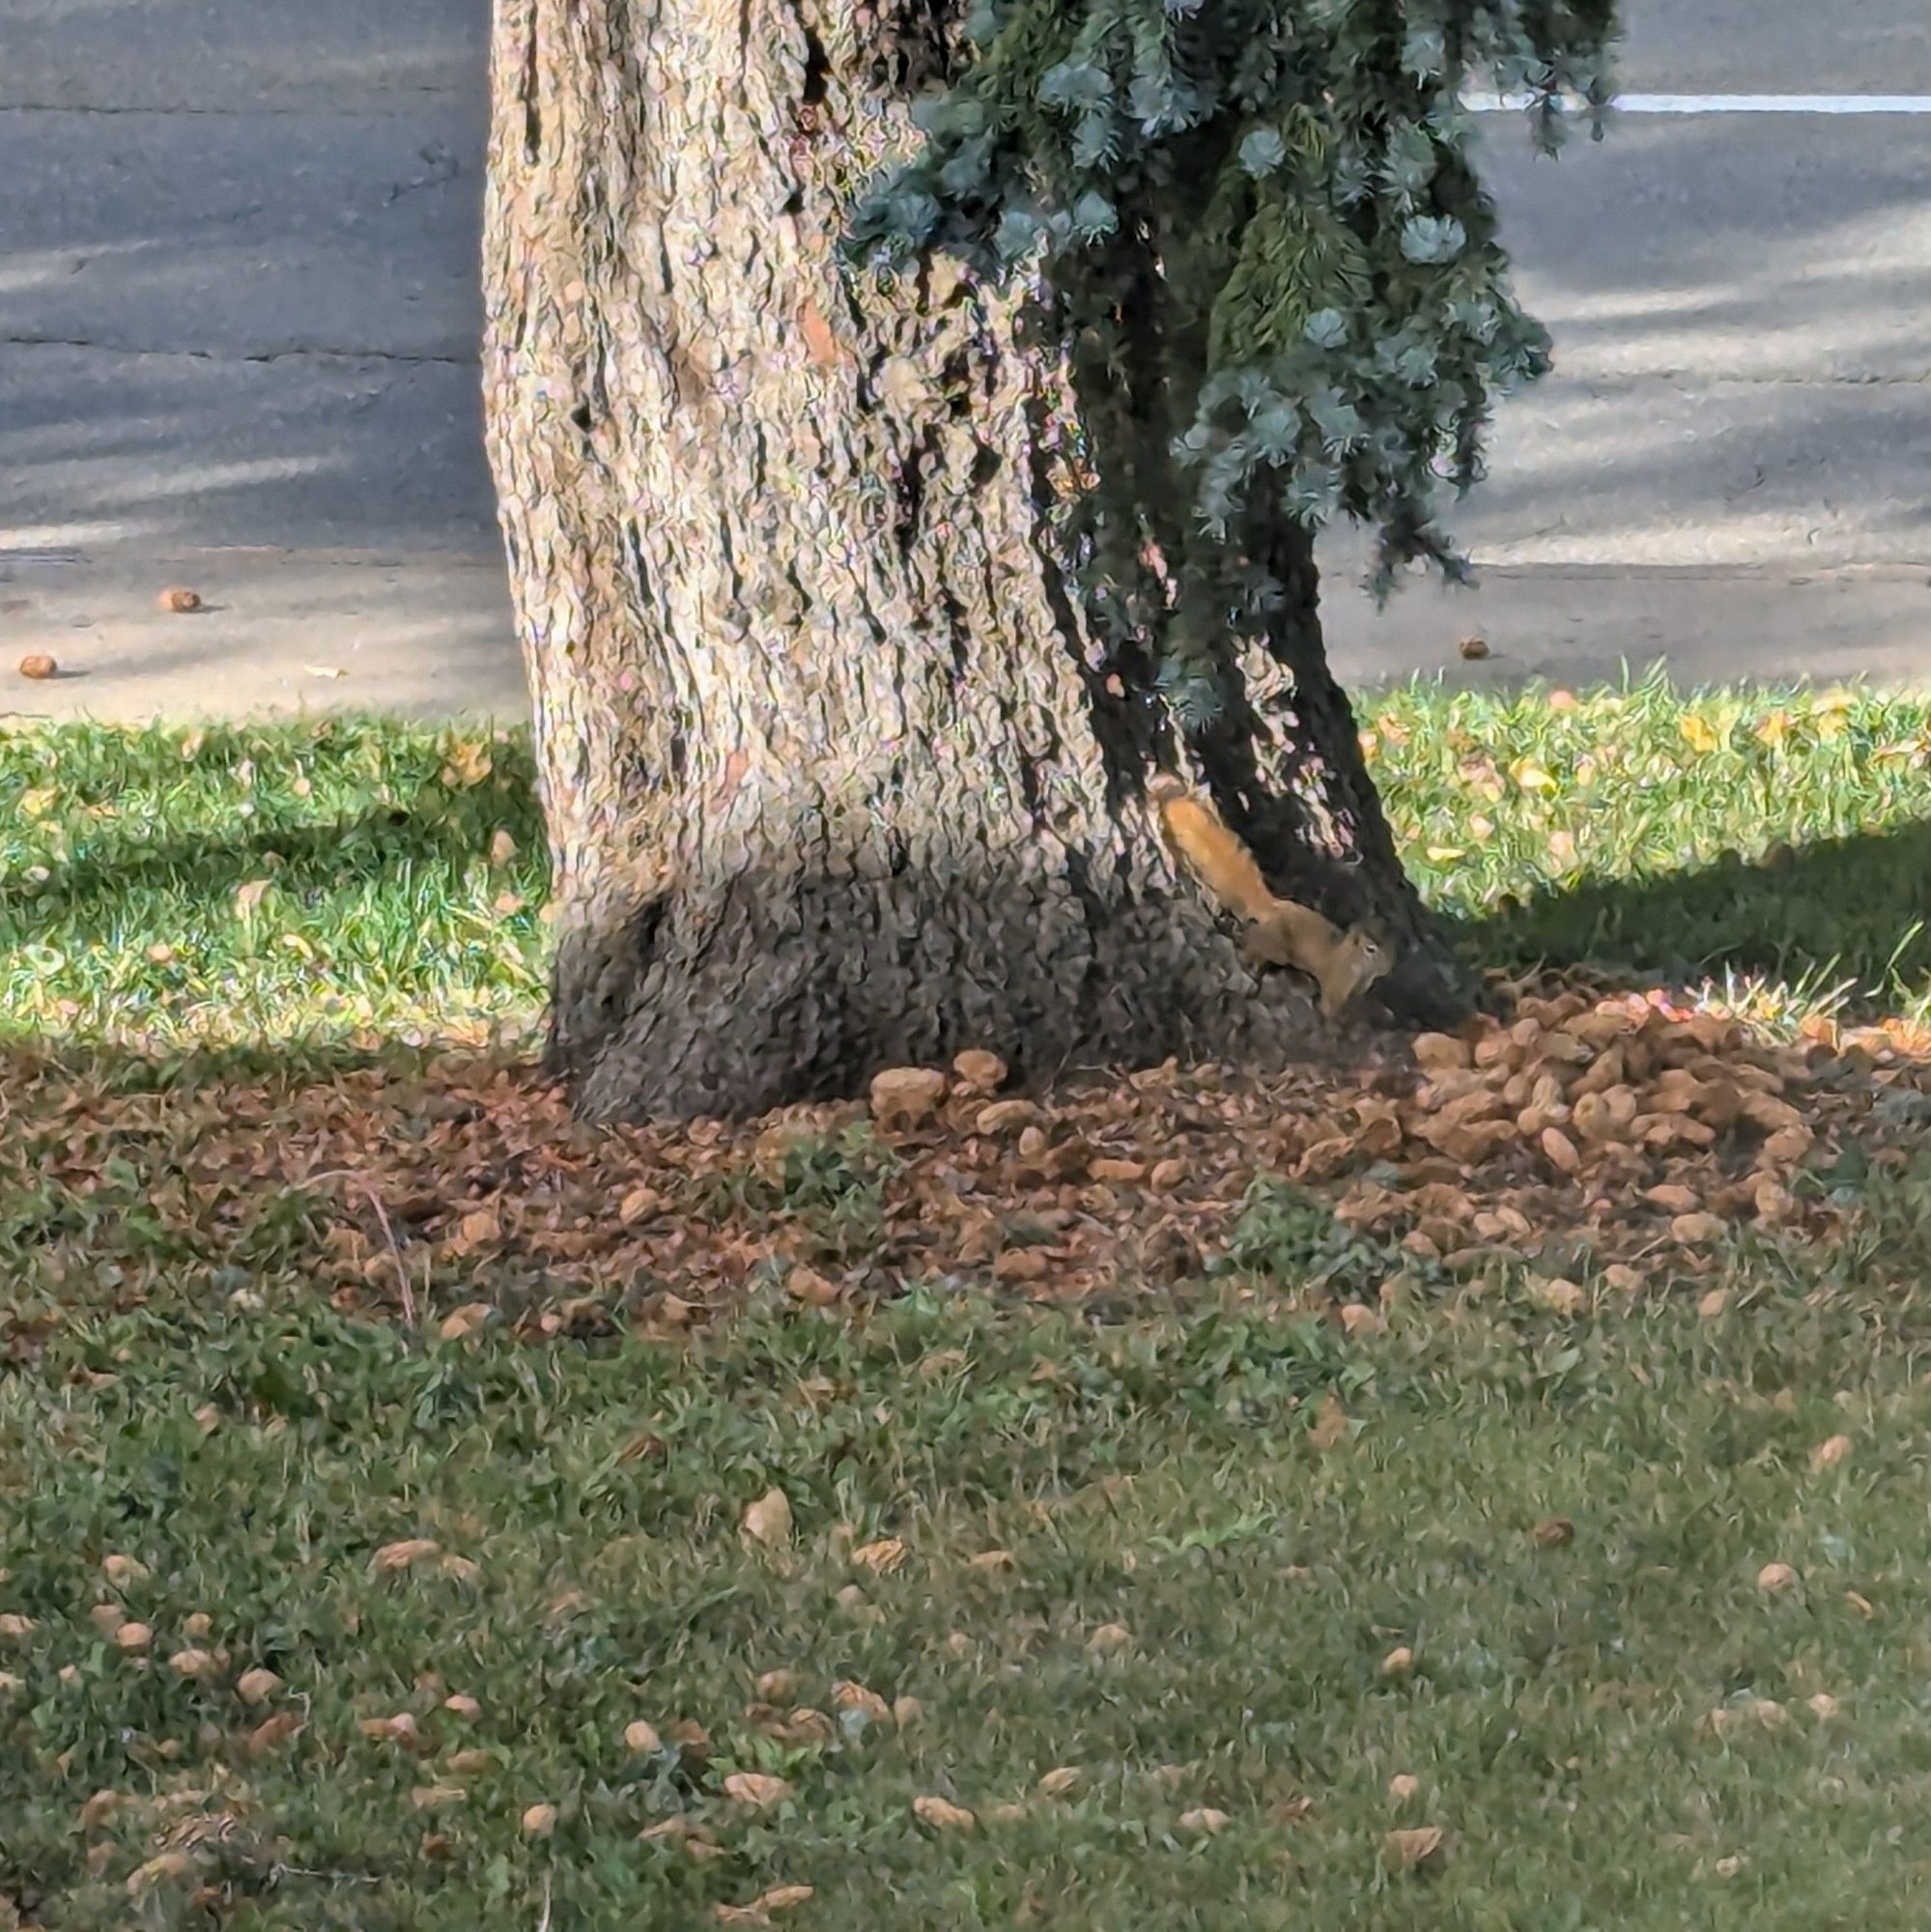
[{"x": 830, "y": 782}]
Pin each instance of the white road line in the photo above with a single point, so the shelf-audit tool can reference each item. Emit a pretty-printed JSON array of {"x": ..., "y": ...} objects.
[{"x": 1730, "y": 104}]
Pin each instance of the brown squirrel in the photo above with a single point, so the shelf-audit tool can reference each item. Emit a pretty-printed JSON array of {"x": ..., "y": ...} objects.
[{"x": 1280, "y": 933}]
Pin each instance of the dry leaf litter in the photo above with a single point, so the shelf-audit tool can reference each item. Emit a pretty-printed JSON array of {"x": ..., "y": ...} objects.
[{"x": 1619, "y": 1138}]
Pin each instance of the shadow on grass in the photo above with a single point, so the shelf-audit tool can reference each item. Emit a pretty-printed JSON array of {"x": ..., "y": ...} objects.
[{"x": 1851, "y": 912}]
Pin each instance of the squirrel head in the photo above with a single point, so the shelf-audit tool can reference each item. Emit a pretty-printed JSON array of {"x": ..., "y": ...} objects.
[{"x": 1364, "y": 955}]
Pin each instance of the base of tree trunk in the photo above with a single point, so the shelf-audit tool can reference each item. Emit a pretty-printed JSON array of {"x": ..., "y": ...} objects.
[{"x": 730, "y": 1011}]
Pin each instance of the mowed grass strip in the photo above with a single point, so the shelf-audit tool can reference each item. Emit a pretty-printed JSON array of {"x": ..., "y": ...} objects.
[
  {"x": 361, "y": 879},
  {"x": 1150, "y": 1624}
]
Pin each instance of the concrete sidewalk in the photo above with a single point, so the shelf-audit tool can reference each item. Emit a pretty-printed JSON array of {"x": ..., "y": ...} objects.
[{"x": 237, "y": 350}]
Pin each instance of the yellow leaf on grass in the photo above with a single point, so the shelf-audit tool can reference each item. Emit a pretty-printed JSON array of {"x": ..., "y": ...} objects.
[
  {"x": 468, "y": 765},
  {"x": 882, "y": 1557},
  {"x": 1698, "y": 733},
  {"x": 1057, "y": 1783},
  {"x": 248, "y": 896},
  {"x": 1532, "y": 777}
]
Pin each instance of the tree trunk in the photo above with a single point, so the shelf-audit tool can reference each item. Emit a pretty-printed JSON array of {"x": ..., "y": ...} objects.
[{"x": 830, "y": 782}]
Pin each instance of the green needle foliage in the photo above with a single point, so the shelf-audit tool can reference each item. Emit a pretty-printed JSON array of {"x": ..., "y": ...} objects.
[{"x": 1253, "y": 231}]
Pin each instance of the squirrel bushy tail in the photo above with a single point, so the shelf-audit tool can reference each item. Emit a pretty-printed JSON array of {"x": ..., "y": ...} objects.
[{"x": 1343, "y": 963}]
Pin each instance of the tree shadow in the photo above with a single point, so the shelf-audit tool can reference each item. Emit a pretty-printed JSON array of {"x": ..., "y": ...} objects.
[{"x": 1852, "y": 913}]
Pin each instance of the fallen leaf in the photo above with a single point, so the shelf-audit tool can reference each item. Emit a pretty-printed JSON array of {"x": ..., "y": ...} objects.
[
  {"x": 881, "y": 1557},
  {"x": 847, "y": 1695},
  {"x": 272, "y": 1733},
  {"x": 1056, "y": 1783},
  {"x": 502, "y": 847},
  {"x": 943, "y": 1815},
  {"x": 539, "y": 1821},
  {"x": 98, "y": 1808},
  {"x": 158, "y": 1870},
  {"x": 133, "y": 1636},
  {"x": 179, "y": 601},
  {"x": 398, "y": 1728},
  {"x": 1829, "y": 1453},
  {"x": 1398, "y": 1662},
  {"x": 1420, "y": 1848},
  {"x": 257, "y": 1686},
  {"x": 1330, "y": 1423},
  {"x": 783, "y": 1897},
  {"x": 1204, "y": 1819},
  {"x": 394, "y": 1556},
  {"x": 468, "y": 764},
  {"x": 463, "y": 1320},
  {"x": 979, "y": 1071},
  {"x": 249, "y": 896},
  {"x": 767, "y": 1520},
  {"x": 1823, "y": 1705},
  {"x": 323, "y": 671},
  {"x": 1552, "y": 1532},
  {"x": 1109, "y": 1639},
  {"x": 757, "y": 1789},
  {"x": 435, "y": 1797},
  {"x": 812, "y": 1288},
  {"x": 1473, "y": 649},
  {"x": 1697, "y": 1230},
  {"x": 641, "y": 1736},
  {"x": 906, "y": 1095},
  {"x": 1775, "y": 1577},
  {"x": 692, "y": 1740},
  {"x": 199, "y": 1666},
  {"x": 123, "y": 1572},
  {"x": 1403, "y": 1787},
  {"x": 1698, "y": 733}
]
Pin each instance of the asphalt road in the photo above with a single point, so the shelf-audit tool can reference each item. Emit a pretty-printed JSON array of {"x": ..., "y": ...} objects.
[{"x": 238, "y": 315}]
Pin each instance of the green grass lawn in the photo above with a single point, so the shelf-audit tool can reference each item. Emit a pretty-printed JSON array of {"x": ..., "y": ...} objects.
[
  {"x": 1145, "y": 1557},
  {"x": 311, "y": 1618},
  {"x": 375, "y": 880}
]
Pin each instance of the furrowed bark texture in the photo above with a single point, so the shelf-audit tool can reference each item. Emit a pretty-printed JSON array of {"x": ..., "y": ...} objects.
[{"x": 830, "y": 785}]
